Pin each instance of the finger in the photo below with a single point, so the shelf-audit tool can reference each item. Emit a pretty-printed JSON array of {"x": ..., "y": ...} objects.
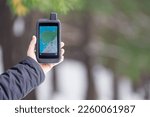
[
  {"x": 62, "y": 44},
  {"x": 32, "y": 44},
  {"x": 61, "y": 60},
  {"x": 62, "y": 51}
]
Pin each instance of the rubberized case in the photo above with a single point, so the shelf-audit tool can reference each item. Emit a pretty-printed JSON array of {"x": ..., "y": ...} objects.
[{"x": 48, "y": 60}]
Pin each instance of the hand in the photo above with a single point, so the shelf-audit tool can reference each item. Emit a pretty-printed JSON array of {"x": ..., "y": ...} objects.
[{"x": 31, "y": 53}]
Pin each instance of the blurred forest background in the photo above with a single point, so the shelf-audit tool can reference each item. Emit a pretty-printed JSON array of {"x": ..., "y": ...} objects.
[{"x": 107, "y": 46}]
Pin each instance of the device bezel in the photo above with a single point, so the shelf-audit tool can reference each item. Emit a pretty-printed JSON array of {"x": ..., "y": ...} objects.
[{"x": 50, "y": 59}]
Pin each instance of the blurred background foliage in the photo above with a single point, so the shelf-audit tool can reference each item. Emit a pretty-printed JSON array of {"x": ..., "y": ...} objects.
[
  {"x": 22, "y": 7},
  {"x": 115, "y": 31}
]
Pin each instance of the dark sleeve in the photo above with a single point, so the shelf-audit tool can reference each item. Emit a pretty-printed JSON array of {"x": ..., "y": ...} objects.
[{"x": 19, "y": 80}]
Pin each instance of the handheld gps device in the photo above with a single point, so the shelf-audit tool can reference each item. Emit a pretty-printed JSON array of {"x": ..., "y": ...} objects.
[{"x": 48, "y": 40}]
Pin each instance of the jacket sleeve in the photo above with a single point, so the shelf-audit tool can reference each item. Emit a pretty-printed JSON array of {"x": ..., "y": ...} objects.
[{"x": 19, "y": 80}]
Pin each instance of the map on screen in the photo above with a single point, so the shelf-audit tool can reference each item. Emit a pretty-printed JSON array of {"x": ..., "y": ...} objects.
[{"x": 48, "y": 39}]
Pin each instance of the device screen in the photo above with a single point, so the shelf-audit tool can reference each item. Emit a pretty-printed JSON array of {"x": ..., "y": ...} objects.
[{"x": 48, "y": 42}]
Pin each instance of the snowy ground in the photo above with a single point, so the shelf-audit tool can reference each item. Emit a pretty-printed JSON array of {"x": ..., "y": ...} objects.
[{"x": 72, "y": 83}]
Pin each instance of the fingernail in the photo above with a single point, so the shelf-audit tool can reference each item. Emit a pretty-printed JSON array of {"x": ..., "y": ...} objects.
[{"x": 33, "y": 36}]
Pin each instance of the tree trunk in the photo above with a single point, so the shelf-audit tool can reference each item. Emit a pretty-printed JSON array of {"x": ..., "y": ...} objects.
[
  {"x": 145, "y": 77},
  {"x": 88, "y": 58},
  {"x": 54, "y": 80}
]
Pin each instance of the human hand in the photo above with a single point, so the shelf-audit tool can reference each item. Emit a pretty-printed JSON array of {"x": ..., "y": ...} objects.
[{"x": 46, "y": 67}]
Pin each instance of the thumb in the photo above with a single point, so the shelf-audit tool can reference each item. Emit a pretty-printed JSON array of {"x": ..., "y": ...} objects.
[
  {"x": 31, "y": 51},
  {"x": 32, "y": 44}
]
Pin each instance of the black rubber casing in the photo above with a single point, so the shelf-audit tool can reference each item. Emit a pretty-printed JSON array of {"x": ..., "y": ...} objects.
[{"x": 51, "y": 59}]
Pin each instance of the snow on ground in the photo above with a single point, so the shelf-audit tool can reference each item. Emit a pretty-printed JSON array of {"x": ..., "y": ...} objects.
[
  {"x": 103, "y": 80},
  {"x": 44, "y": 91},
  {"x": 72, "y": 80},
  {"x": 125, "y": 90},
  {"x": 72, "y": 83}
]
